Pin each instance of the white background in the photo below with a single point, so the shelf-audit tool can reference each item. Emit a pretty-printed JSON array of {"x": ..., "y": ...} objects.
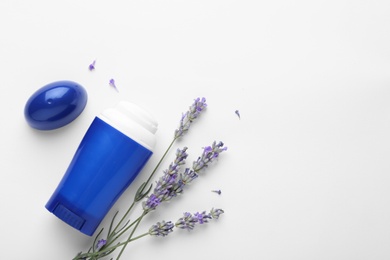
[{"x": 307, "y": 172}]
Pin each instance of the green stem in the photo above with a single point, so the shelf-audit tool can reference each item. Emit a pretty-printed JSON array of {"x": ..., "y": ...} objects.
[
  {"x": 135, "y": 200},
  {"x": 158, "y": 165},
  {"x": 111, "y": 241},
  {"x": 131, "y": 234},
  {"x": 111, "y": 248},
  {"x": 122, "y": 219}
]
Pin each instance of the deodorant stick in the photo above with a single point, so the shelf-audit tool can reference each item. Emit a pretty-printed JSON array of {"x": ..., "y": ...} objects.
[{"x": 113, "y": 151}]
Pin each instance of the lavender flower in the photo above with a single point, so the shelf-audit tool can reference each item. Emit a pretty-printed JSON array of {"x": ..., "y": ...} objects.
[
  {"x": 100, "y": 244},
  {"x": 215, "y": 213},
  {"x": 167, "y": 184},
  {"x": 188, "y": 176},
  {"x": 187, "y": 221},
  {"x": 171, "y": 184},
  {"x": 91, "y": 66},
  {"x": 151, "y": 203},
  {"x": 187, "y": 118},
  {"x": 238, "y": 114},
  {"x": 210, "y": 153},
  {"x": 185, "y": 178},
  {"x": 202, "y": 217},
  {"x": 181, "y": 155},
  {"x": 161, "y": 229},
  {"x": 112, "y": 84}
]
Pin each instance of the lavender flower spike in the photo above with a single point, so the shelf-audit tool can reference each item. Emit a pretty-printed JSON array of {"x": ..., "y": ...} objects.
[
  {"x": 187, "y": 118},
  {"x": 187, "y": 222},
  {"x": 210, "y": 153},
  {"x": 161, "y": 229},
  {"x": 151, "y": 203},
  {"x": 167, "y": 184}
]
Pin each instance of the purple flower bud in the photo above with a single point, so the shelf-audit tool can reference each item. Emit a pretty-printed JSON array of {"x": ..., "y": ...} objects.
[
  {"x": 161, "y": 229},
  {"x": 91, "y": 66},
  {"x": 186, "y": 222},
  {"x": 202, "y": 217},
  {"x": 208, "y": 155},
  {"x": 112, "y": 84},
  {"x": 214, "y": 213},
  {"x": 100, "y": 244},
  {"x": 151, "y": 203}
]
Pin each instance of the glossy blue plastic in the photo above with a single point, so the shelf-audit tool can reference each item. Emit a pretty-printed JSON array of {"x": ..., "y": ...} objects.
[
  {"x": 104, "y": 165},
  {"x": 55, "y": 105}
]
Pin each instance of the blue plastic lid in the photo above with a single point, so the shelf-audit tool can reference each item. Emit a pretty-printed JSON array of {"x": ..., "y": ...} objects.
[{"x": 55, "y": 105}]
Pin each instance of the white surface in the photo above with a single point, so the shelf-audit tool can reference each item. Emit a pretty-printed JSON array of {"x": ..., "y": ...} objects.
[{"x": 307, "y": 172}]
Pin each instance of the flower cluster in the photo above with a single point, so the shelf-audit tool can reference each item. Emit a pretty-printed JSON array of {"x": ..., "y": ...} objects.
[
  {"x": 210, "y": 153},
  {"x": 188, "y": 221},
  {"x": 187, "y": 118},
  {"x": 161, "y": 228},
  {"x": 171, "y": 183},
  {"x": 168, "y": 185}
]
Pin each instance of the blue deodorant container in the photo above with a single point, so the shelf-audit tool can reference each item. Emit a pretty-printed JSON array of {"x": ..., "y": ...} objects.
[{"x": 113, "y": 151}]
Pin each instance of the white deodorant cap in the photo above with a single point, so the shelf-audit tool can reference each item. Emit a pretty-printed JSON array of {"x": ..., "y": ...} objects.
[{"x": 132, "y": 121}]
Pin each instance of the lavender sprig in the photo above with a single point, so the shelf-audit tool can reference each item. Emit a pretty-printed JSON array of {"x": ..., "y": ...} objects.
[
  {"x": 187, "y": 118},
  {"x": 166, "y": 182},
  {"x": 194, "y": 111},
  {"x": 188, "y": 222}
]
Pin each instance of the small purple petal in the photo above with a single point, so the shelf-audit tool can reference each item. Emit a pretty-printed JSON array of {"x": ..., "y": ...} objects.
[
  {"x": 91, "y": 66},
  {"x": 238, "y": 114},
  {"x": 112, "y": 84},
  {"x": 217, "y": 191}
]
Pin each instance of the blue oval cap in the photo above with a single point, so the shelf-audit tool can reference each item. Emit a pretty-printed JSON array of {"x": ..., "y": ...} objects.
[{"x": 55, "y": 105}]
